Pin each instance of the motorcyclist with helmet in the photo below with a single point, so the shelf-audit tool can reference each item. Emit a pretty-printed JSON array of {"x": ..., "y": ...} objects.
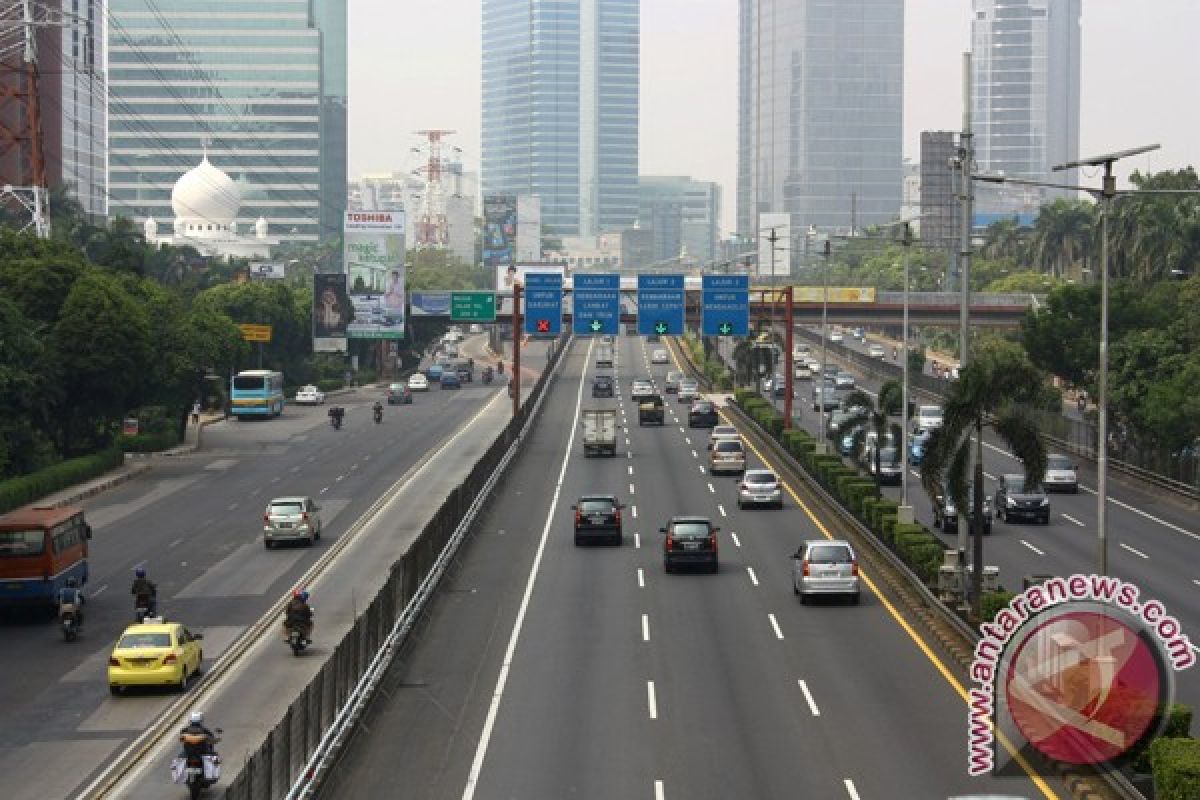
[
  {"x": 144, "y": 592},
  {"x": 298, "y": 615},
  {"x": 197, "y": 740},
  {"x": 70, "y": 601},
  {"x": 378, "y": 409}
]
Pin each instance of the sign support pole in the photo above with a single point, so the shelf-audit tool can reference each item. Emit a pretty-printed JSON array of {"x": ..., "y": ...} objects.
[
  {"x": 514, "y": 380},
  {"x": 789, "y": 373}
]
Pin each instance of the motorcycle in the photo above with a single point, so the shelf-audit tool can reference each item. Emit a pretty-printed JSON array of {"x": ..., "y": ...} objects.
[
  {"x": 378, "y": 415},
  {"x": 295, "y": 638},
  {"x": 68, "y": 620},
  {"x": 143, "y": 609},
  {"x": 197, "y": 772},
  {"x": 336, "y": 421}
]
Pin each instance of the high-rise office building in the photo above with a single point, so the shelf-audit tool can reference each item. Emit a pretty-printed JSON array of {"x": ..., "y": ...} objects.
[
  {"x": 259, "y": 86},
  {"x": 560, "y": 109},
  {"x": 680, "y": 212},
  {"x": 72, "y": 95},
  {"x": 819, "y": 112},
  {"x": 1026, "y": 95}
]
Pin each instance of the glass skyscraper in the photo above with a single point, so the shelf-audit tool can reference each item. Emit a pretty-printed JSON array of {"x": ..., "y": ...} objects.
[
  {"x": 257, "y": 85},
  {"x": 1026, "y": 95},
  {"x": 820, "y": 107},
  {"x": 560, "y": 109}
]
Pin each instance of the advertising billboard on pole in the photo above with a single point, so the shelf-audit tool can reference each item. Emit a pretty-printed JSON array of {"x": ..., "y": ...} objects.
[
  {"x": 499, "y": 229},
  {"x": 374, "y": 255},
  {"x": 331, "y": 313}
]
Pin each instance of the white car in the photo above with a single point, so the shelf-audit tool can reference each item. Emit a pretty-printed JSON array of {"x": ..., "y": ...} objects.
[
  {"x": 837, "y": 337},
  {"x": 309, "y": 396},
  {"x": 658, "y": 357},
  {"x": 927, "y": 418},
  {"x": 876, "y": 351},
  {"x": 417, "y": 382}
]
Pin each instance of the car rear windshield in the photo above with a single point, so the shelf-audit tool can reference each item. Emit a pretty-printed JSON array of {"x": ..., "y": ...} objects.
[
  {"x": 287, "y": 508},
  {"x": 724, "y": 430},
  {"x": 729, "y": 447},
  {"x": 248, "y": 382},
  {"x": 135, "y": 640},
  {"x": 703, "y": 408},
  {"x": 929, "y": 411},
  {"x": 760, "y": 477},
  {"x": 1058, "y": 462},
  {"x": 596, "y": 506},
  {"x": 888, "y": 455},
  {"x": 690, "y": 530},
  {"x": 829, "y": 554}
]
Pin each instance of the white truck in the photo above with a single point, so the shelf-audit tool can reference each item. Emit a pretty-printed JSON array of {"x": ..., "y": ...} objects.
[{"x": 599, "y": 432}]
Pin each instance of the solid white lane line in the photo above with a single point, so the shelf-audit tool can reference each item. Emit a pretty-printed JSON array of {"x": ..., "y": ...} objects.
[
  {"x": 1031, "y": 547},
  {"x": 641, "y": 579},
  {"x": 850, "y": 790},
  {"x": 651, "y": 702},
  {"x": 989, "y": 476},
  {"x": 710, "y": 487},
  {"x": 629, "y": 454},
  {"x": 645, "y": 627},
  {"x": 637, "y": 545},
  {"x": 175, "y": 543},
  {"x": 775, "y": 625},
  {"x": 659, "y": 793},
  {"x": 498, "y": 693},
  {"x": 1069, "y": 518},
  {"x": 721, "y": 508},
  {"x": 812, "y": 705},
  {"x": 1137, "y": 553},
  {"x": 753, "y": 577},
  {"x": 633, "y": 510},
  {"x": 100, "y": 590},
  {"x": 736, "y": 541},
  {"x": 631, "y": 491}
]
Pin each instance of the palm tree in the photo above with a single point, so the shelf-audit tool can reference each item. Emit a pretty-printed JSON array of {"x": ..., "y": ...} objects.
[
  {"x": 867, "y": 415},
  {"x": 1006, "y": 238},
  {"x": 985, "y": 395},
  {"x": 1063, "y": 235}
]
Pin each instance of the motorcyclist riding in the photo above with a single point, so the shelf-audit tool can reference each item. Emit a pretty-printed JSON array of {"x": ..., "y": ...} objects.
[
  {"x": 298, "y": 615},
  {"x": 378, "y": 408},
  {"x": 144, "y": 592},
  {"x": 335, "y": 415},
  {"x": 197, "y": 740},
  {"x": 70, "y": 601}
]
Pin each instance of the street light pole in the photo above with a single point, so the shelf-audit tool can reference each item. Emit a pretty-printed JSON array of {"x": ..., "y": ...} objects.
[
  {"x": 824, "y": 347},
  {"x": 905, "y": 511}
]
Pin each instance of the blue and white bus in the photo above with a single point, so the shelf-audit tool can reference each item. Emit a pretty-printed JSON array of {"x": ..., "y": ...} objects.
[{"x": 256, "y": 393}]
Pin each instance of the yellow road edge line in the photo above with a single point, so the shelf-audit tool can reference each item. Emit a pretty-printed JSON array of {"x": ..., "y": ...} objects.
[{"x": 921, "y": 644}]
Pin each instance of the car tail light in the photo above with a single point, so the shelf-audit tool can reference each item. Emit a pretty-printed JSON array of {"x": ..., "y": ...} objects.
[
  {"x": 112, "y": 661},
  {"x": 744, "y": 487},
  {"x": 617, "y": 514},
  {"x": 578, "y": 516},
  {"x": 804, "y": 567},
  {"x": 712, "y": 541},
  {"x": 854, "y": 568},
  {"x": 170, "y": 658},
  {"x": 304, "y": 516},
  {"x": 670, "y": 542}
]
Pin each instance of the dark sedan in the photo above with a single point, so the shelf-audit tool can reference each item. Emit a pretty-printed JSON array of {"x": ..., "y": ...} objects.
[
  {"x": 689, "y": 541},
  {"x": 602, "y": 386},
  {"x": 702, "y": 414},
  {"x": 1015, "y": 501},
  {"x": 597, "y": 516}
]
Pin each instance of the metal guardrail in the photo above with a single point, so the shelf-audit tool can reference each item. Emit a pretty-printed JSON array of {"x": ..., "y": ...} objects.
[
  {"x": 296, "y": 755},
  {"x": 1071, "y": 436},
  {"x": 994, "y": 299}
]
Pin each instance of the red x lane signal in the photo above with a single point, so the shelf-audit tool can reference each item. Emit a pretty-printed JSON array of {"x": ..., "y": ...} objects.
[{"x": 543, "y": 326}]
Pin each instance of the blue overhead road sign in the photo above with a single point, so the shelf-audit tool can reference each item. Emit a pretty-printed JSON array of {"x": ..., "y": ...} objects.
[
  {"x": 660, "y": 305},
  {"x": 596, "y": 304},
  {"x": 726, "y": 305},
  {"x": 543, "y": 302}
]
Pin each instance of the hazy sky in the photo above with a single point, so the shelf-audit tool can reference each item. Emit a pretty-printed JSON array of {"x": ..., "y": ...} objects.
[{"x": 415, "y": 65}]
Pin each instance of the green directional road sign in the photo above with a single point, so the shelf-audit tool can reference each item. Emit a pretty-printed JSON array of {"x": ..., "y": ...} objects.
[{"x": 472, "y": 306}]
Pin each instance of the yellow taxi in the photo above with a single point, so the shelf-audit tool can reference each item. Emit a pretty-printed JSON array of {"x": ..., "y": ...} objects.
[{"x": 154, "y": 653}]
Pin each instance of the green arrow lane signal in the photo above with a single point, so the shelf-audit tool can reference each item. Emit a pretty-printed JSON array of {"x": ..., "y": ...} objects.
[
  {"x": 725, "y": 328},
  {"x": 660, "y": 328},
  {"x": 597, "y": 325}
]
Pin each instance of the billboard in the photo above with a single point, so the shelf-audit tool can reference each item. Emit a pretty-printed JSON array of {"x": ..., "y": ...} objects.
[
  {"x": 374, "y": 256},
  {"x": 499, "y": 229},
  {"x": 331, "y": 313},
  {"x": 267, "y": 270},
  {"x": 837, "y": 294}
]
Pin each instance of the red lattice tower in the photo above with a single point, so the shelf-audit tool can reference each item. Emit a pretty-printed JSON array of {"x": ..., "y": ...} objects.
[{"x": 432, "y": 229}]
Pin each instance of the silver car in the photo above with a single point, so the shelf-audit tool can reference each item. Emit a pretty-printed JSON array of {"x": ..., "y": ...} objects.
[
  {"x": 720, "y": 432},
  {"x": 824, "y": 567},
  {"x": 689, "y": 390},
  {"x": 727, "y": 455},
  {"x": 760, "y": 487},
  {"x": 291, "y": 519},
  {"x": 1061, "y": 475}
]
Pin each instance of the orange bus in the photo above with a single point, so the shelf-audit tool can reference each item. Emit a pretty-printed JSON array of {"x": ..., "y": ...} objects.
[{"x": 40, "y": 548}]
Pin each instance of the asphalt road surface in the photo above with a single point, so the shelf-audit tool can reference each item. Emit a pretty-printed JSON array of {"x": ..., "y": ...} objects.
[
  {"x": 1153, "y": 540},
  {"x": 194, "y": 522},
  {"x": 546, "y": 670}
]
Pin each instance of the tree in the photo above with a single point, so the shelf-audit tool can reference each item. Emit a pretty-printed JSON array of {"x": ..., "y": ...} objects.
[
  {"x": 1024, "y": 281},
  {"x": 1064, "y": 235},
  {"x": 23, "y": 447},
  {"x": 868, "y": 415},
  {"x": 986, "y": 393},
  {"x": 1006, "y": 239},
  {"x": 1151, "y": 235}
]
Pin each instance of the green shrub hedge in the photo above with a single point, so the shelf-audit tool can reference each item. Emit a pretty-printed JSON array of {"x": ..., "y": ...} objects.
[
  {"x": 882, "y": 506},
  {"x": 16, "y": 492},
  {"x": 1178, "y": 725},
  {"x": 330, "y": 384},
  {"x": 148, "y": 442},
  {"x": 993, "y": 602},
  {"x": 1176, "y": 764}
]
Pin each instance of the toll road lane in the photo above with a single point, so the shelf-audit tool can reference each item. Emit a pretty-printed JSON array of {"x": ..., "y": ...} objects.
[{"x": 683, "y": 679}]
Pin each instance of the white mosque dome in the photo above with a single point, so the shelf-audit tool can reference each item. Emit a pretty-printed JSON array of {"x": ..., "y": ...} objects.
[{"x": 205, "y": 195}]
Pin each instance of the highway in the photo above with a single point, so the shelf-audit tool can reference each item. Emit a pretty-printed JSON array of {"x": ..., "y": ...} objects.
[
  {"x": 1153, "y": 539},
  {"x": 546, "y": 670},
  {"x": 194, "y": 522}
]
